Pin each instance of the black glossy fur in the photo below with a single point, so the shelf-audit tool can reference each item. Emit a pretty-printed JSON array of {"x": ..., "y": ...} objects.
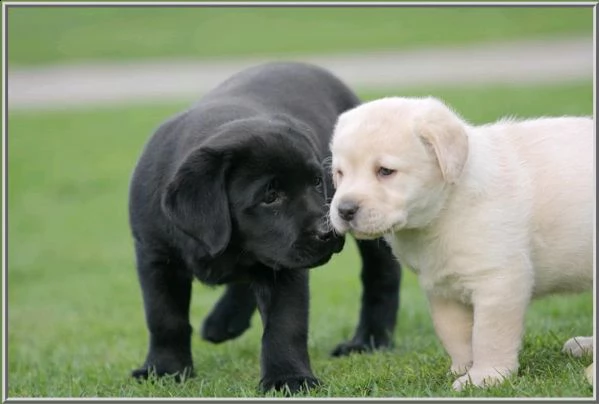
[{"x": 233, "y": 191}]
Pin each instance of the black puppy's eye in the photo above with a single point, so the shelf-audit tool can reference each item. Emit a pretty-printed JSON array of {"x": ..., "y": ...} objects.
[
  {"x": 385, "y": 172},
  {"x": 271, "y": 197},
  {"x": 317, "y": 181}
]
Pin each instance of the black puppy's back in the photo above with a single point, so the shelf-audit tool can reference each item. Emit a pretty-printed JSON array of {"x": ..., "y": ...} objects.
[{"x": 306, "y": 92}]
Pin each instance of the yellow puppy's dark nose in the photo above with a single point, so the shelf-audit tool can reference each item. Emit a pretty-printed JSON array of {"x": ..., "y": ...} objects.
[{"x": 347, "y": 209}]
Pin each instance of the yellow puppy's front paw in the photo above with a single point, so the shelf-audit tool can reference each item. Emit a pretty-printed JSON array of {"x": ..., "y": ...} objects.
[
  {"x": 460, "y": 368},
  {"x": 481, "y": 378},
  {"x": 579, "y": 346}
]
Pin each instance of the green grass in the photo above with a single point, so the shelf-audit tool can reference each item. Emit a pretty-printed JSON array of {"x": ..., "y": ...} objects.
[
  {"x": 39, "y": 35},
  {"x": 76, "y": 324}
]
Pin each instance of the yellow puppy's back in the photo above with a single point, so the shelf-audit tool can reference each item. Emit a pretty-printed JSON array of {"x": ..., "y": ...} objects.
[{"x": 558, "y": 154}]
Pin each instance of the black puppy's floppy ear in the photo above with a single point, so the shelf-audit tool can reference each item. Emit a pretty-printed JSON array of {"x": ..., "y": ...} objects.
[{"x": 196, "y": 199}]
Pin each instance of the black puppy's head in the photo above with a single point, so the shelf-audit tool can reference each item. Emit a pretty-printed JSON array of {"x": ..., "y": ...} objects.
[{"x": 258, "y": 184}]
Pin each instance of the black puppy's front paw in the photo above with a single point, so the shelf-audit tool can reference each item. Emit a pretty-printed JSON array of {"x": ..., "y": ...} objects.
[
  {"x": 361, "y": 345},
  {"x": 289, "y": 384},
  {"x": 148, "y": 371}
]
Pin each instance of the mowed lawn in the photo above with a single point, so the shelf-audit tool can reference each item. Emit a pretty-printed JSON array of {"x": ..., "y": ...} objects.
[
  {"x": 76, "y": 323},
  {"x": 40, "y": 35}
]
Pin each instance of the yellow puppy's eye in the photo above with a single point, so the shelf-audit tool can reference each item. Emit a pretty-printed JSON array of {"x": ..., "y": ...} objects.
[
  {"x": 337, "y": 177},
  {"x": 385, "y": 172}
]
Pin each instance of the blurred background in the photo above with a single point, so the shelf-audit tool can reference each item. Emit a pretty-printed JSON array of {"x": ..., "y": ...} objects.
[{"x": 88, "y": 85}]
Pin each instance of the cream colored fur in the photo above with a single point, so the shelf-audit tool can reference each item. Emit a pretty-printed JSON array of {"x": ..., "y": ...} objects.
[{"x": 489, "y": 217}]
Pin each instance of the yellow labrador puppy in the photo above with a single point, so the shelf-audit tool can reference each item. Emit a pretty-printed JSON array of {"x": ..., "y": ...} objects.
[{"x": 489, "y": 217}]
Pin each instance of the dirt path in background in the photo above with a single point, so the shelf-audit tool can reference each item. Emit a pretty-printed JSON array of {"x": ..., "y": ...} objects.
[{"x": 539, "y": 61}]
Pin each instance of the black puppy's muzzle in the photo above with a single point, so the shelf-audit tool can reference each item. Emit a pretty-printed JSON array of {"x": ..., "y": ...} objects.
[
  {"x": 315, "y": 247},
  {"x": 324, "y": 234}
]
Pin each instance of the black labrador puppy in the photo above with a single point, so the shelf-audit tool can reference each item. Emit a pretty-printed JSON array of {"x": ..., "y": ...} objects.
[{"x": 234, "y": 191}]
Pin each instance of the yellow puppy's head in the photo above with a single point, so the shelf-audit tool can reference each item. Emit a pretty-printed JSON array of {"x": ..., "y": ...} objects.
[{"x": 393, "y": 161}]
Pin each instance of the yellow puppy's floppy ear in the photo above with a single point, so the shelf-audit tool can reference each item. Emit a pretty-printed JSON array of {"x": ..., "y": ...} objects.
[{"x": 445, "y": 134}]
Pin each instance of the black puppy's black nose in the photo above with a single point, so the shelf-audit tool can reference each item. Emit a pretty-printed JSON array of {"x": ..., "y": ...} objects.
[
  {"x": 347, "y": 209},
  {"x": 324, "y": 236},
  {"x": 324, "y": 233}
]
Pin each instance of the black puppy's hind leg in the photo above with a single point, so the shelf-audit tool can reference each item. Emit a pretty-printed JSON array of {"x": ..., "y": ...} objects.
[
  {"x": 381, "y": 278},
  {"x": 166, "y": 289},
  {"x": 231, "y": 315}
]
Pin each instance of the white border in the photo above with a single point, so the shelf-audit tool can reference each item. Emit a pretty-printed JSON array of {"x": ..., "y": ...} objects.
[
  {"x": 4, "y": 215},
  {"x": 5, "y": 5},
  {"x": 595, "y": 213},
  {"x": 302, "y": 3}
]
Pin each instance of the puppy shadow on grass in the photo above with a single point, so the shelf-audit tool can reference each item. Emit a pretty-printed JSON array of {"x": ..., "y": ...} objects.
[{"x": 202, "y": 383}]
